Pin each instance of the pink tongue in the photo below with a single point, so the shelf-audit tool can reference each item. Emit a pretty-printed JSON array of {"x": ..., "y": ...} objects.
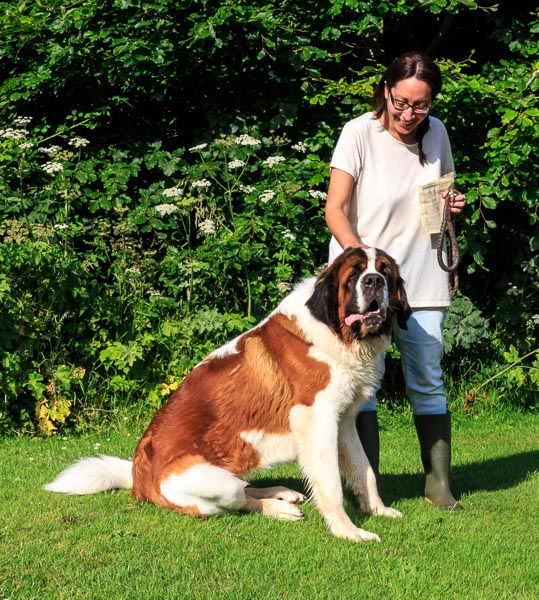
[{"x": 351, "y": 319}]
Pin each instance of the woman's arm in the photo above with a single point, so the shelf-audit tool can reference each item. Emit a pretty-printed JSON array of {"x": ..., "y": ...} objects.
[{"x": 341, "y": 185}]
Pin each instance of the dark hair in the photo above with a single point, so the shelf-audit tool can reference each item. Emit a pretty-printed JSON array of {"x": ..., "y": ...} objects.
[{"x": 411, "y": 64}]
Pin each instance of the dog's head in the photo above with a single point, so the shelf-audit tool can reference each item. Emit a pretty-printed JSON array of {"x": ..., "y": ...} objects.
[{"x": 359, "y": 294}]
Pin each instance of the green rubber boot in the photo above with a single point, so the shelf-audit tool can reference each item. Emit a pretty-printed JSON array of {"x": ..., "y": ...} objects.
[
  {"x": 367, "y": 428},
  {"x": 434, "y": 434}
]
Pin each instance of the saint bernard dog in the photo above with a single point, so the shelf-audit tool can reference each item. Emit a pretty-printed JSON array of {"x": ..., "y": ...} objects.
[{"x": 287, "y": 390}]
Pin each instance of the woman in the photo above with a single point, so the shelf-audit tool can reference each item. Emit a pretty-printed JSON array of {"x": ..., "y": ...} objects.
[{"x": 379, "y": 163}]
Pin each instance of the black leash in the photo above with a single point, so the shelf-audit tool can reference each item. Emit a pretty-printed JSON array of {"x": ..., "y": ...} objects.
[{"x": 453, "y": 254}]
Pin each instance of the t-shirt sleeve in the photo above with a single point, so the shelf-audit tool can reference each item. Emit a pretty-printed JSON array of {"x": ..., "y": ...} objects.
[{"x": 348, "y": 151}]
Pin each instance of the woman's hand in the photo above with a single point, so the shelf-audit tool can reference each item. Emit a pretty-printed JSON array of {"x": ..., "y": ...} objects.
[{"x": 456, "y": 202}]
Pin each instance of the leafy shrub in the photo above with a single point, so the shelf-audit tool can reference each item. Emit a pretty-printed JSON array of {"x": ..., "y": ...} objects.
[
  {"x": 464, "y": 326},
  {"x": 111, "y": 293}
]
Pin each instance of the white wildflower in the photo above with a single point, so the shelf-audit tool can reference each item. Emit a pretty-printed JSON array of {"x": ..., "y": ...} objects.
[
  {"x": 13, "y": 134},
  {"x": 78, "y": 142},
  {"x": 201, "y": 183},
  {"x": 271, "y": 161},
  {"x": 288, "y": 235},
  {"x": 152, "y": 293},
  {"x": 236, "y": 164},
  {"x": 266, "y": 196},
  {"x": 53, "y": 167},
  {"x": 207, "y": 227},
  {"x": 51, "y": 150},
  {"x": 300, "y": 147},
  {"x": 247, "y": 189},
  {"x": 60, "y": 226},
  {"x": 166, "y": 209},
  {"x": 246, "y": 140},
  {"x": 173, "y": 192},
  {"x": 197, "y": 148},
  {"x": 283, "y": 287},
  {"x": 317, "y": 194},
  {"x": 26, "y": 145},
  {"x": 22, "y": 120}
]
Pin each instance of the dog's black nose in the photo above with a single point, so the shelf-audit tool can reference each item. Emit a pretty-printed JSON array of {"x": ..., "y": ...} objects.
[{"x": 373, "y": 280}]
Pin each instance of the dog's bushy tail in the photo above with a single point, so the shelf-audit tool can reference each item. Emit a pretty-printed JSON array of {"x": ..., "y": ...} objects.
[{"x": 93, "y": 475}]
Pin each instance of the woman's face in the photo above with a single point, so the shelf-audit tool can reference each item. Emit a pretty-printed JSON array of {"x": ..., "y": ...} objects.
[{"x": 402, "y": 124}]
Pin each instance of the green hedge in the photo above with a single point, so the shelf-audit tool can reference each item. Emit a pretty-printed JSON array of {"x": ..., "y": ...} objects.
[{"x": 163, "y": 169}]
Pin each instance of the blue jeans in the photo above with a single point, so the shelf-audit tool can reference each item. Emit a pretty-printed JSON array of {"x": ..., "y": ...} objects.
[{"x": 421, "y": 349}]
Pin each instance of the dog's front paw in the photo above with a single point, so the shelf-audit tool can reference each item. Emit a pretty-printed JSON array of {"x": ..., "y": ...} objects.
[
  {"x": 386, "y": 511},
  {"x": 378, "y": 508},
  {"x": 355, "y": 534}
]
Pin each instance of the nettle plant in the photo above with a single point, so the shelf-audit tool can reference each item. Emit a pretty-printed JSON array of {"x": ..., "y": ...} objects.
[{"x": 120, "y": 272}]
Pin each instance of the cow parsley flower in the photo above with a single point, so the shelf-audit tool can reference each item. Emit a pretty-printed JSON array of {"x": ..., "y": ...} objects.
[
  {"x": 266, "y": 196},
  {"x": 201, "y": 183},
  {"x": 247, "y": 189},
  {"x": 247, "y": 140},
  {"x": 283, "y": 287},
  {"x": 207, "y": 227},
  {"x": 13, "y": 134},
  {"x": 22, "y": 120},
  {"x": 288, "y": 235},
  {"x": 166, "y": 209},
  {"x": 317, "y": 194},
  {"x": 53, "y": 167},
  {"x": 300, "y": 147},
  {"x": 50, "y": 151},
  {"x": 173, "y": 192},
  {"x": 78, "y": 142},
  {"x": 197, "y": 148},
  {"x": 236, "y": 164},
  {"x": 271, "y": 161}
]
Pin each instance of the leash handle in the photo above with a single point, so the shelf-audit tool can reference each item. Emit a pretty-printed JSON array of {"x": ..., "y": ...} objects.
[{"x": 453, "y": 254}]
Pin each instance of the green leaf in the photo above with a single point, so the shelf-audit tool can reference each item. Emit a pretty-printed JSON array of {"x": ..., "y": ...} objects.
[{"x": 489, "y": 202}]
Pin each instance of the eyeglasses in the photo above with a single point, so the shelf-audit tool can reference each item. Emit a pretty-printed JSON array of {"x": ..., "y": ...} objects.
[{"x": 418, "y": 109}]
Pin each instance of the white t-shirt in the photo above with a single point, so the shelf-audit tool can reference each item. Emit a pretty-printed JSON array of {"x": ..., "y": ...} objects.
[{"x": 384, "y": 207}]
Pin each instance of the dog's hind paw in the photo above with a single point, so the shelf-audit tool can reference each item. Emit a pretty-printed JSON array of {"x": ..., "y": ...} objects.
[
  {"x": 276, "y": 492},
  {"x": 282, "y": 510}
]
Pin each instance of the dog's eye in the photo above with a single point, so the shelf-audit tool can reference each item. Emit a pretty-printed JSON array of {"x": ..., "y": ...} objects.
[
  {"x": 353, "y": 277},
  {"x": 384, "y": 270}
]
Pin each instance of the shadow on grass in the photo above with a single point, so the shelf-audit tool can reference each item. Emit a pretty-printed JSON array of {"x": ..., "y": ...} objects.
[{"x": 489, "y": 475}]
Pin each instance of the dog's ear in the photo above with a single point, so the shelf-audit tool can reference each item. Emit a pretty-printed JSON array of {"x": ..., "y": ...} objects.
[
  {"x": 402, "y": 307},
  {"x": 323, "y": 304}
]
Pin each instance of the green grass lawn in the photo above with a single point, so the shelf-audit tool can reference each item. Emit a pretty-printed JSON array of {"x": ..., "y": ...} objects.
[{"x": 108, "y": 546}]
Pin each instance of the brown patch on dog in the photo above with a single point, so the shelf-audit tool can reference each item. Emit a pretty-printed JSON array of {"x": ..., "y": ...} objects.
[{"x": 252, "y": 388}]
